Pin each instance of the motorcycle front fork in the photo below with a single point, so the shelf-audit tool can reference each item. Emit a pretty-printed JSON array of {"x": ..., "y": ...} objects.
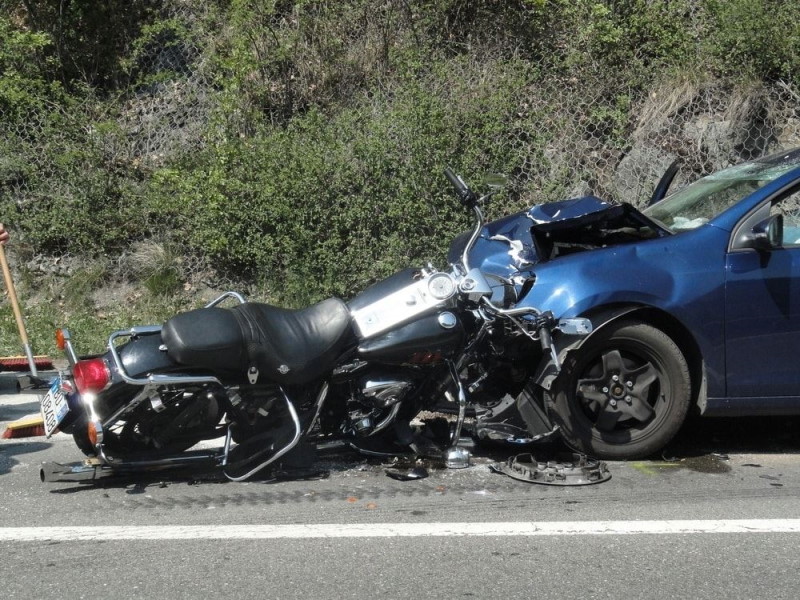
[{"x": 456, "y": 457}]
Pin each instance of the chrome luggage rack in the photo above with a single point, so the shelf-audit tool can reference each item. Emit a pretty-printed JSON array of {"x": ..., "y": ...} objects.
[{"x": 152, "y": 330}]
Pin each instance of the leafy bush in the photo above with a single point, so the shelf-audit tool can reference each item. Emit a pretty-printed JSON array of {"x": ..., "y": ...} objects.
[
  {"x": 757, "y": 38},
  {"x": 297, "y": 145}
]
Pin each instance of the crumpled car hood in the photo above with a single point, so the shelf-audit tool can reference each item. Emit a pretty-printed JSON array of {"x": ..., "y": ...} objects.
[
  {"x": 587, "y": 223},
  {"x": 566, "y": 210},
  {"x": 516, "y": 243}
]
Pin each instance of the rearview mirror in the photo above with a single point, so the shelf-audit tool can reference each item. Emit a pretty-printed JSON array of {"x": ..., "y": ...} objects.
[
  {"x": 767, "y": 234},
  {"x": 495, "y": 181}
]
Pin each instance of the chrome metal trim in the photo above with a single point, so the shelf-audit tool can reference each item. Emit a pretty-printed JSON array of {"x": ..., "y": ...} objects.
[
  {"x": 53, "y": 471},
  {"x": 447, "y": 320},
  {"x": 160, "y": 462},
  {"x": 224, "y": 297},
  {"x": 435, "y": 292},
  {"x": 72, "y": 356},
  {"x": 510, "y": 312},
  {"x": 227, "y": 447},
  {"x": 88, "y": 401},
  {"x": 473, "y": 238},
  {"x": 389, "y": 418},
  {"x": 282, "y": 451},
  {"x": 375, "y": 387},
  {"x": 150, "y": 379},
  {"x": 321, "y": 397},
  {"x": 462, "y": 403},
  {"x": 467, "y": 354},
  {"x": 140, "y": 397},
  {"x": 455, "y": 457}
]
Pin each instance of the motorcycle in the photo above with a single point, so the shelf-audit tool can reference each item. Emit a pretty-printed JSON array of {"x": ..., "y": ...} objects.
[{"x": 275, "y": 386}]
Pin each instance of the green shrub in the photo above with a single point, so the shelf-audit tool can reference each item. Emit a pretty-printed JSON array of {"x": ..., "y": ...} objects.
[
  {"x": 755, "y": 38},
  {"x": 298, "y": 145}
]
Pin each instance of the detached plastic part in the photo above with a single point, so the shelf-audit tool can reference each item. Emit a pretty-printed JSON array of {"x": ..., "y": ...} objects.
[
  {"x": 568, "y": 469},
  {"x": 407, "y": 475}
]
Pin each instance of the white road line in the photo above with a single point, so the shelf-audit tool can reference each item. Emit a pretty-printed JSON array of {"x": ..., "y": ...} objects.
[{"x": 384, "y": 530}]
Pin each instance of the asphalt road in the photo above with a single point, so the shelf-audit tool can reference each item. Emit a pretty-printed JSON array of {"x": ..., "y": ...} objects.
[{"x": 171, "y": 535}]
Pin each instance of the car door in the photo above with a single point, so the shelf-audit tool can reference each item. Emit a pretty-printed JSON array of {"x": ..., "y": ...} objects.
[{"x": 762, "y": 311}]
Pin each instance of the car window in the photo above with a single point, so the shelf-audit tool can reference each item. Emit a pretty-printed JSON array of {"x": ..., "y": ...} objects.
[
  {"x": 706, "y": 198},
  {"x": 788, "y": 205}
]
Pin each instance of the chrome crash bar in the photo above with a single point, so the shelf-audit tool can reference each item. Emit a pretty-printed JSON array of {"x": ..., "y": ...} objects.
[{"x": 292, "y": 443}]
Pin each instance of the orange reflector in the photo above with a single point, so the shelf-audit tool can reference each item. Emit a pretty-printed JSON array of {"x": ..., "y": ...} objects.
[
  {"x": 92, "y": 432},
  {"x": 61, "y": 343}
]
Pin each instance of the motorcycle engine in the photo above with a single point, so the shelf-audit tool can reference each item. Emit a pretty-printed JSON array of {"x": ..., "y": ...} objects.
[{"x": 375, "y": 402}]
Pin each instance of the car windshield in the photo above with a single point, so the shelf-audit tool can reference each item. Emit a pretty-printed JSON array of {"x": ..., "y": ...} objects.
[{"x": 703, "y": 200}]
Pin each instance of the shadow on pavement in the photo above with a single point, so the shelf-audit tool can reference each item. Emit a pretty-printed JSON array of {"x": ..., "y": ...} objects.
[
  {"x": 736, "y": 435},
  {"x": 9, "y": 383},
  {"x": 12, "y": 412},
  {"x": 9, "y": 451},
  {"x": 703, "y": 442}
]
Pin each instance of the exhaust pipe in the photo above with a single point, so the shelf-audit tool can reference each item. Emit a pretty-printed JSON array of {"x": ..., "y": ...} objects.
[
  {"x": 78, "y": 472},
  {"x": 85, "y": 471}
]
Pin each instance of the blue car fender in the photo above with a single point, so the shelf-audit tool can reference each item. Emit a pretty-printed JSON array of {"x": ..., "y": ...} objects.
[
  {"x": 548, "y": 369},
  {"x": 605, "y": 285}
]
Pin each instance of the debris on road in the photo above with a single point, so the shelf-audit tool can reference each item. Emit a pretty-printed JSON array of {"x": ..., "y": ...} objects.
[
  {"x": 407, "y": 475},
  {"x": 567, "y": 469}
]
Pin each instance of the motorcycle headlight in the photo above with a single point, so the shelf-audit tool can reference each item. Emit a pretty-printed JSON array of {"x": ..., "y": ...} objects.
[{"x": 441, "y": 286}]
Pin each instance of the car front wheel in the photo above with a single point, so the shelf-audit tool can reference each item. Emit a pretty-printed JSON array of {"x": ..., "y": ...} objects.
[{"x": 623, "y": 394}]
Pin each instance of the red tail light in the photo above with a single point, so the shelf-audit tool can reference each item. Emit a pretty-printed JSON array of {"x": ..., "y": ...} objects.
[{"x": 91, "y": 375}]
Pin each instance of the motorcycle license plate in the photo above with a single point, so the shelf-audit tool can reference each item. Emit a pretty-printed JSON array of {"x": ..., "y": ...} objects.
[{"x": 54, "y": 407}]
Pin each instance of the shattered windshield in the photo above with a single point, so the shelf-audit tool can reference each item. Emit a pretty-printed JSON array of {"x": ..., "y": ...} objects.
[{"x": 703, "y": 200}]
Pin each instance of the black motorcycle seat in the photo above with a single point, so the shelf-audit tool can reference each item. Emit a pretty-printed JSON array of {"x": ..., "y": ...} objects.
[{"x": 285, "y": 346}]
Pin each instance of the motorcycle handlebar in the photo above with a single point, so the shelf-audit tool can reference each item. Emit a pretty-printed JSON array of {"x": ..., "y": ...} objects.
[{"x": 465, "y": 195}]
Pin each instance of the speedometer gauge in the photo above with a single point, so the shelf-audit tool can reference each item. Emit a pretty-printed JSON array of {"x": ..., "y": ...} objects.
[{"x": 441, "y": 286}]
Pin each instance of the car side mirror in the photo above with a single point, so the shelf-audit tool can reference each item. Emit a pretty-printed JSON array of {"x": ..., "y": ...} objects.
[{"x": 767, "y": 234}]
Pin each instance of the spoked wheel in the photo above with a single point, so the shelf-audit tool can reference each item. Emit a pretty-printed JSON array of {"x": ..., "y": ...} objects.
[{"x": 624, "y": 394}]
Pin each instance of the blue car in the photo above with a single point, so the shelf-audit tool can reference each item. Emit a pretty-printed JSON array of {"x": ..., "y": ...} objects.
[{"x": 694, "y": 301}]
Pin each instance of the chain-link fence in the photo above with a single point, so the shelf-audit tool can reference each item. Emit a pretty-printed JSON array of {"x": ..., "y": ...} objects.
[
  {"x": 567, "y": 137},
  {"x": 294, "y": 150}
]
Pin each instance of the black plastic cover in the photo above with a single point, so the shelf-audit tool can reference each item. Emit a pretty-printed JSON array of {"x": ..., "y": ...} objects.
[{"x": 141, "y": 355}]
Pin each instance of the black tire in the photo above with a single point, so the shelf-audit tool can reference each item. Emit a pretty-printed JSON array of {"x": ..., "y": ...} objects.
[
  {"x": 81, "y": 437},
  {"x": 634, "y": 415}
]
